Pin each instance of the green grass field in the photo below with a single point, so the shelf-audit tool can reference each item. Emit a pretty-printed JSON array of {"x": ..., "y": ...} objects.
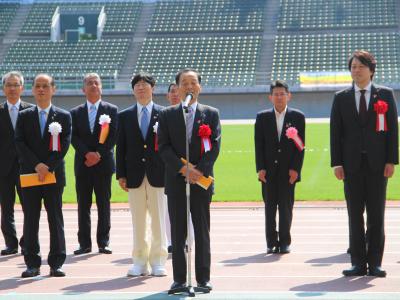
[{"x": 235, "y": 173}]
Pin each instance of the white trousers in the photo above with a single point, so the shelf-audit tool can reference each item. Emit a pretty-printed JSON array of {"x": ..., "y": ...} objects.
[{"x": 150, "y": 200}]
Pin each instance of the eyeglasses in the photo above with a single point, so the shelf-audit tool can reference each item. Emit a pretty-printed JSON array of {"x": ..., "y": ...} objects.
[
  {"x": 43, "y": 86},
  {"x": 15, "y": 85}
]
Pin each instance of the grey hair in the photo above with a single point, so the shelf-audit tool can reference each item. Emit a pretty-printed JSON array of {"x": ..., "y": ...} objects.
[
  {"x": 90, "y": 75},
  {"x": 13, "y": 74}
]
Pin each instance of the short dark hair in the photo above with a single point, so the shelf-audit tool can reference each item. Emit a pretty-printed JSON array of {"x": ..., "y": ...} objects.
[
  {"x": 279, "y": 84},
  {"x": 187, "y": 70},
  {"x": 147, "y": 77},
  {"x": 52, "y": 82},
  {"x": 366, "y": 58},
  {"x": 170, "y": 86}
]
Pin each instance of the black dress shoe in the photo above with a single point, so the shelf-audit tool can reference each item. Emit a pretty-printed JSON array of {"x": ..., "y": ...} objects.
[
  {"x": 274, "y": 249},
  {"x": 376, "y": 271},
  {"x": 205, "y": 285},
  {"x": 176, "y": 286},
  {"x": 82, "y": 251},
  {"x": 30, "y": 272},
  {"x": 105, "y": 250},
  {"x": 355, "y": 271},
  {"x": 284, "y": 249},
  {"x": 57, "y": 272},
  {"x": 169, "y": 249},
  {"x": 9, "y": 251},
  {"x": 348, "y": 251}
]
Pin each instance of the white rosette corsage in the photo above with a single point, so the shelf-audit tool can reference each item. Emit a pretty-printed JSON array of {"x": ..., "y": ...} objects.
[
  {"x": 55, "y": 129},
  {"x": 104, "y": 122}
]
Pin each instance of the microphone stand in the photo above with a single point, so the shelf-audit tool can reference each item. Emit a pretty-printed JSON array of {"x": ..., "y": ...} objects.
[{"x": 188, "y": 289}]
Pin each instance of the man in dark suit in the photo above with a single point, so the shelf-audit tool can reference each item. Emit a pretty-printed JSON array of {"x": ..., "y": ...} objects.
[
  {"x": 279, "y": 159},
  {"x": 13, "y": 87},
  {"x": 204, "y": 151},
  {"x": 36, "y": 156},
  {"x": 364, "y": 150},
  {"x": 140, "y": 171},
  {"x": 94, "y": 162}
]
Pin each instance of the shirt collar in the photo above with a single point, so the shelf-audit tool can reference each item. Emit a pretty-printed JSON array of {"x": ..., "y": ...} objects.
[
  {"x": 47, "y": 110},
  {"x": 89, "y": 104},
  {"x": 278, "y": 114},
  {"x": 149, "y": 106},
  {"x": 193, "y": 106},
  {"x": 367, "y": 88},
  {"x": 9, "y": 105}
]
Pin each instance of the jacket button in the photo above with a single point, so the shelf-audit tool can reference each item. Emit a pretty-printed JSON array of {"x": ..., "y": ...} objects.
[
  {"x": 279, "y": 150},
  {"x": 276, "y": 161},
  {"x": 145, "y": 146},
  {"x": 143, "y": 159}
]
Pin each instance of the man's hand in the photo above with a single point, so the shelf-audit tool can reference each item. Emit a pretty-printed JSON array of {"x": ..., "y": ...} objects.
[
  {"x": 389, "y": 170},
  {"x": 122, "y": 183},
  {"x": 293, "y": 175},
  {"x": 42, "y": 171},
  {"x": 92, "y": 158},
  {"x": 194, "y": 174},
  {"x": 339, "y": 173},
  {"x": 262, "y": 176}
]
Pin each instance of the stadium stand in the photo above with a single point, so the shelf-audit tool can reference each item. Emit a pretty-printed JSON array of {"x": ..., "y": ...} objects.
[
  {"x": 207, "y": 16},
  {"x": 67, "y": 60},
  {"x": 7, "y": 13},
  {"x": 224, "y": 61},
  {"x": 329, "y": 52},
  {"x": 324, "y": 14},
  {"x": 121, "y": 16}
]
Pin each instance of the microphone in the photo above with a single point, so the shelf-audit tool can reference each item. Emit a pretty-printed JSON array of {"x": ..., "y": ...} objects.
[{"x": 187, "y": 100}]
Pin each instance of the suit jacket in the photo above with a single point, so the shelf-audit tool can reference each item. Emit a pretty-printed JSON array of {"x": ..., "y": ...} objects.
[
  {"x": 136, "y": 156},
  {"x": 33, "y": 149},
  {"x": 84, "y": 141},
  {"x": 274, "y": 155},
  {"x": 348, "y": 134},
  {"x": 8, "y": 152},
  {"x": 171, "y": 139}
]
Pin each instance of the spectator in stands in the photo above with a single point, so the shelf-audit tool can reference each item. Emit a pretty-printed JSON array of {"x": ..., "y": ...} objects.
[
  {"x": 94, "y": 134},
  {"x": 173, "y": 99},
  {"x": 279, "y": 147},
  {"x": 33, "y": 137},
  {"x": 364, "y": 150},
  {"x": 13, "y": 87},
  {"x": 204, "y": 132},
  {"x": 140, "y": 172}
]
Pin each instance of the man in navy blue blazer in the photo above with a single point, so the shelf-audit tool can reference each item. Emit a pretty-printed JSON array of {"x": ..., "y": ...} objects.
[
  {"x": 94, "y": 162},
  {"x": 37, "y": 154},
  {"x": 140, "y": 172}
]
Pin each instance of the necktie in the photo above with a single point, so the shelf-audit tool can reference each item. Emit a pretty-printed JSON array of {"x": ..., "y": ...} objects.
[
  {"x": 144, "y": 122},
  {"x": 362, "y": 111},
  {"x": 42, "y": 121},
  {"x": 14, "y": 115},
  {"x": 189, "y": 123},
  {"x": 92, "y": 116}
]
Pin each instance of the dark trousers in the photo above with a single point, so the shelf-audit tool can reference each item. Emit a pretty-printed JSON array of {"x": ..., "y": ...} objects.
[
  {"x": 52, "y": 198},
  {"x": 200, "y": 212},
  {"x": 8, "y": 185},
  {"x": 101, "y": 185},
  {"x": 366, "y": 190},
  {"x": 278, "y": 194}
]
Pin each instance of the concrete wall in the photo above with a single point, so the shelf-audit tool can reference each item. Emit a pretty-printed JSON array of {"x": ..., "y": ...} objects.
[{"x": 231, "y": 106}]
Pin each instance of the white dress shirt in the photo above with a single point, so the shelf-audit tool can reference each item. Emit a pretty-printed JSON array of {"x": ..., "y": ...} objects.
[
  {"x": 358, "y": 95},
  {"x": 280, "y": 117}
]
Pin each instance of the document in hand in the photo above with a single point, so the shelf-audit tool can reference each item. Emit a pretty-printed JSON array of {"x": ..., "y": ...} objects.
[
  {"x": 204, "y": 182},
  {"x": 28, "y": 180}
]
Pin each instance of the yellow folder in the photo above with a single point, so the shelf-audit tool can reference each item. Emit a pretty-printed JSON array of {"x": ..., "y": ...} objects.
[
  {"x": 28, "y": 180},
  {"x": 204, "y": 182}
]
